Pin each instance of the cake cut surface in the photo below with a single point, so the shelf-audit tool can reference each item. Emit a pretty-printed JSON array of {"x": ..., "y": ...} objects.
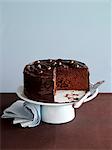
[{"x": 55, "y": 80}]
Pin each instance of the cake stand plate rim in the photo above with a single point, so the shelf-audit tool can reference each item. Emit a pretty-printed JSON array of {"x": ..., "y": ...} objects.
[{"x": 21, "y": 95}]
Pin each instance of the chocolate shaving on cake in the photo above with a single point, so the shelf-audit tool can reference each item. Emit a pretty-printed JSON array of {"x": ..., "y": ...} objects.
[
  {"x": 50, "y": 60},
  {"x": 39, "y": 66},
  {"x": 78, "y": 66},
  {"x": 41, "y": 71},
  {"x": 38, "y": 61},
  {"x": 60, "y": 63},
  {"x": 81, "y": 64},
  {"x": 28, "y": 67},
  {"x": 49, "y": 68},
  {"x": 32, "y": 68},
  {"x": 55, "y": 63},
  {"x": 72, "y": 61}
]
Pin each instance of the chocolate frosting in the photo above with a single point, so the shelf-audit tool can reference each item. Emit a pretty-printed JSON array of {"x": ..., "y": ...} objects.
[{"x": 44, "y": 67}]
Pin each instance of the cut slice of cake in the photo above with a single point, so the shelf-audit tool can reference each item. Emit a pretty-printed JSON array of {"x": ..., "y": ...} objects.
[{"x": 55, "y": 80}]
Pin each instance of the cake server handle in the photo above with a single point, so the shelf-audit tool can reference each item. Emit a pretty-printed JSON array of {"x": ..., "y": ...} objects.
[
  {"x": 94, "y": 90},
  {"x": 92, "y": 93}
]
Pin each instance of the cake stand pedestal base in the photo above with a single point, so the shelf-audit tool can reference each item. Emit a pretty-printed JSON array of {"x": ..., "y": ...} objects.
[{"x": 57, "y": 114}]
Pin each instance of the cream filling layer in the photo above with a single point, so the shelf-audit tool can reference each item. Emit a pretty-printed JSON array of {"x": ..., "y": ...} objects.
[{"x": 68, "y": 95}]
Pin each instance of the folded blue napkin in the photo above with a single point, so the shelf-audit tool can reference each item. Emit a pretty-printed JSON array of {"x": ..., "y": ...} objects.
[{"x": 25, "y": 113}]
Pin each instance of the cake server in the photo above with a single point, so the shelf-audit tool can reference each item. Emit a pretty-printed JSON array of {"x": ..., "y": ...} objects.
[{"x": 93, "y": 88}]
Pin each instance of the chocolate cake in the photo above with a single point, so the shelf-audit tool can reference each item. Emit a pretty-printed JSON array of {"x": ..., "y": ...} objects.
[{"x": 55, "y": 80}]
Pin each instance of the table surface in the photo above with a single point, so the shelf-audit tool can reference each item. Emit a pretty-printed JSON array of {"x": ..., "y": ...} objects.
[{"x": 91, "y": 129}]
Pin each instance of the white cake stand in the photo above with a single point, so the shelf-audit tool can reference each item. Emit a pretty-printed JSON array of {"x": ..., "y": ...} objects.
[{"x": 56, "y": 113}]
